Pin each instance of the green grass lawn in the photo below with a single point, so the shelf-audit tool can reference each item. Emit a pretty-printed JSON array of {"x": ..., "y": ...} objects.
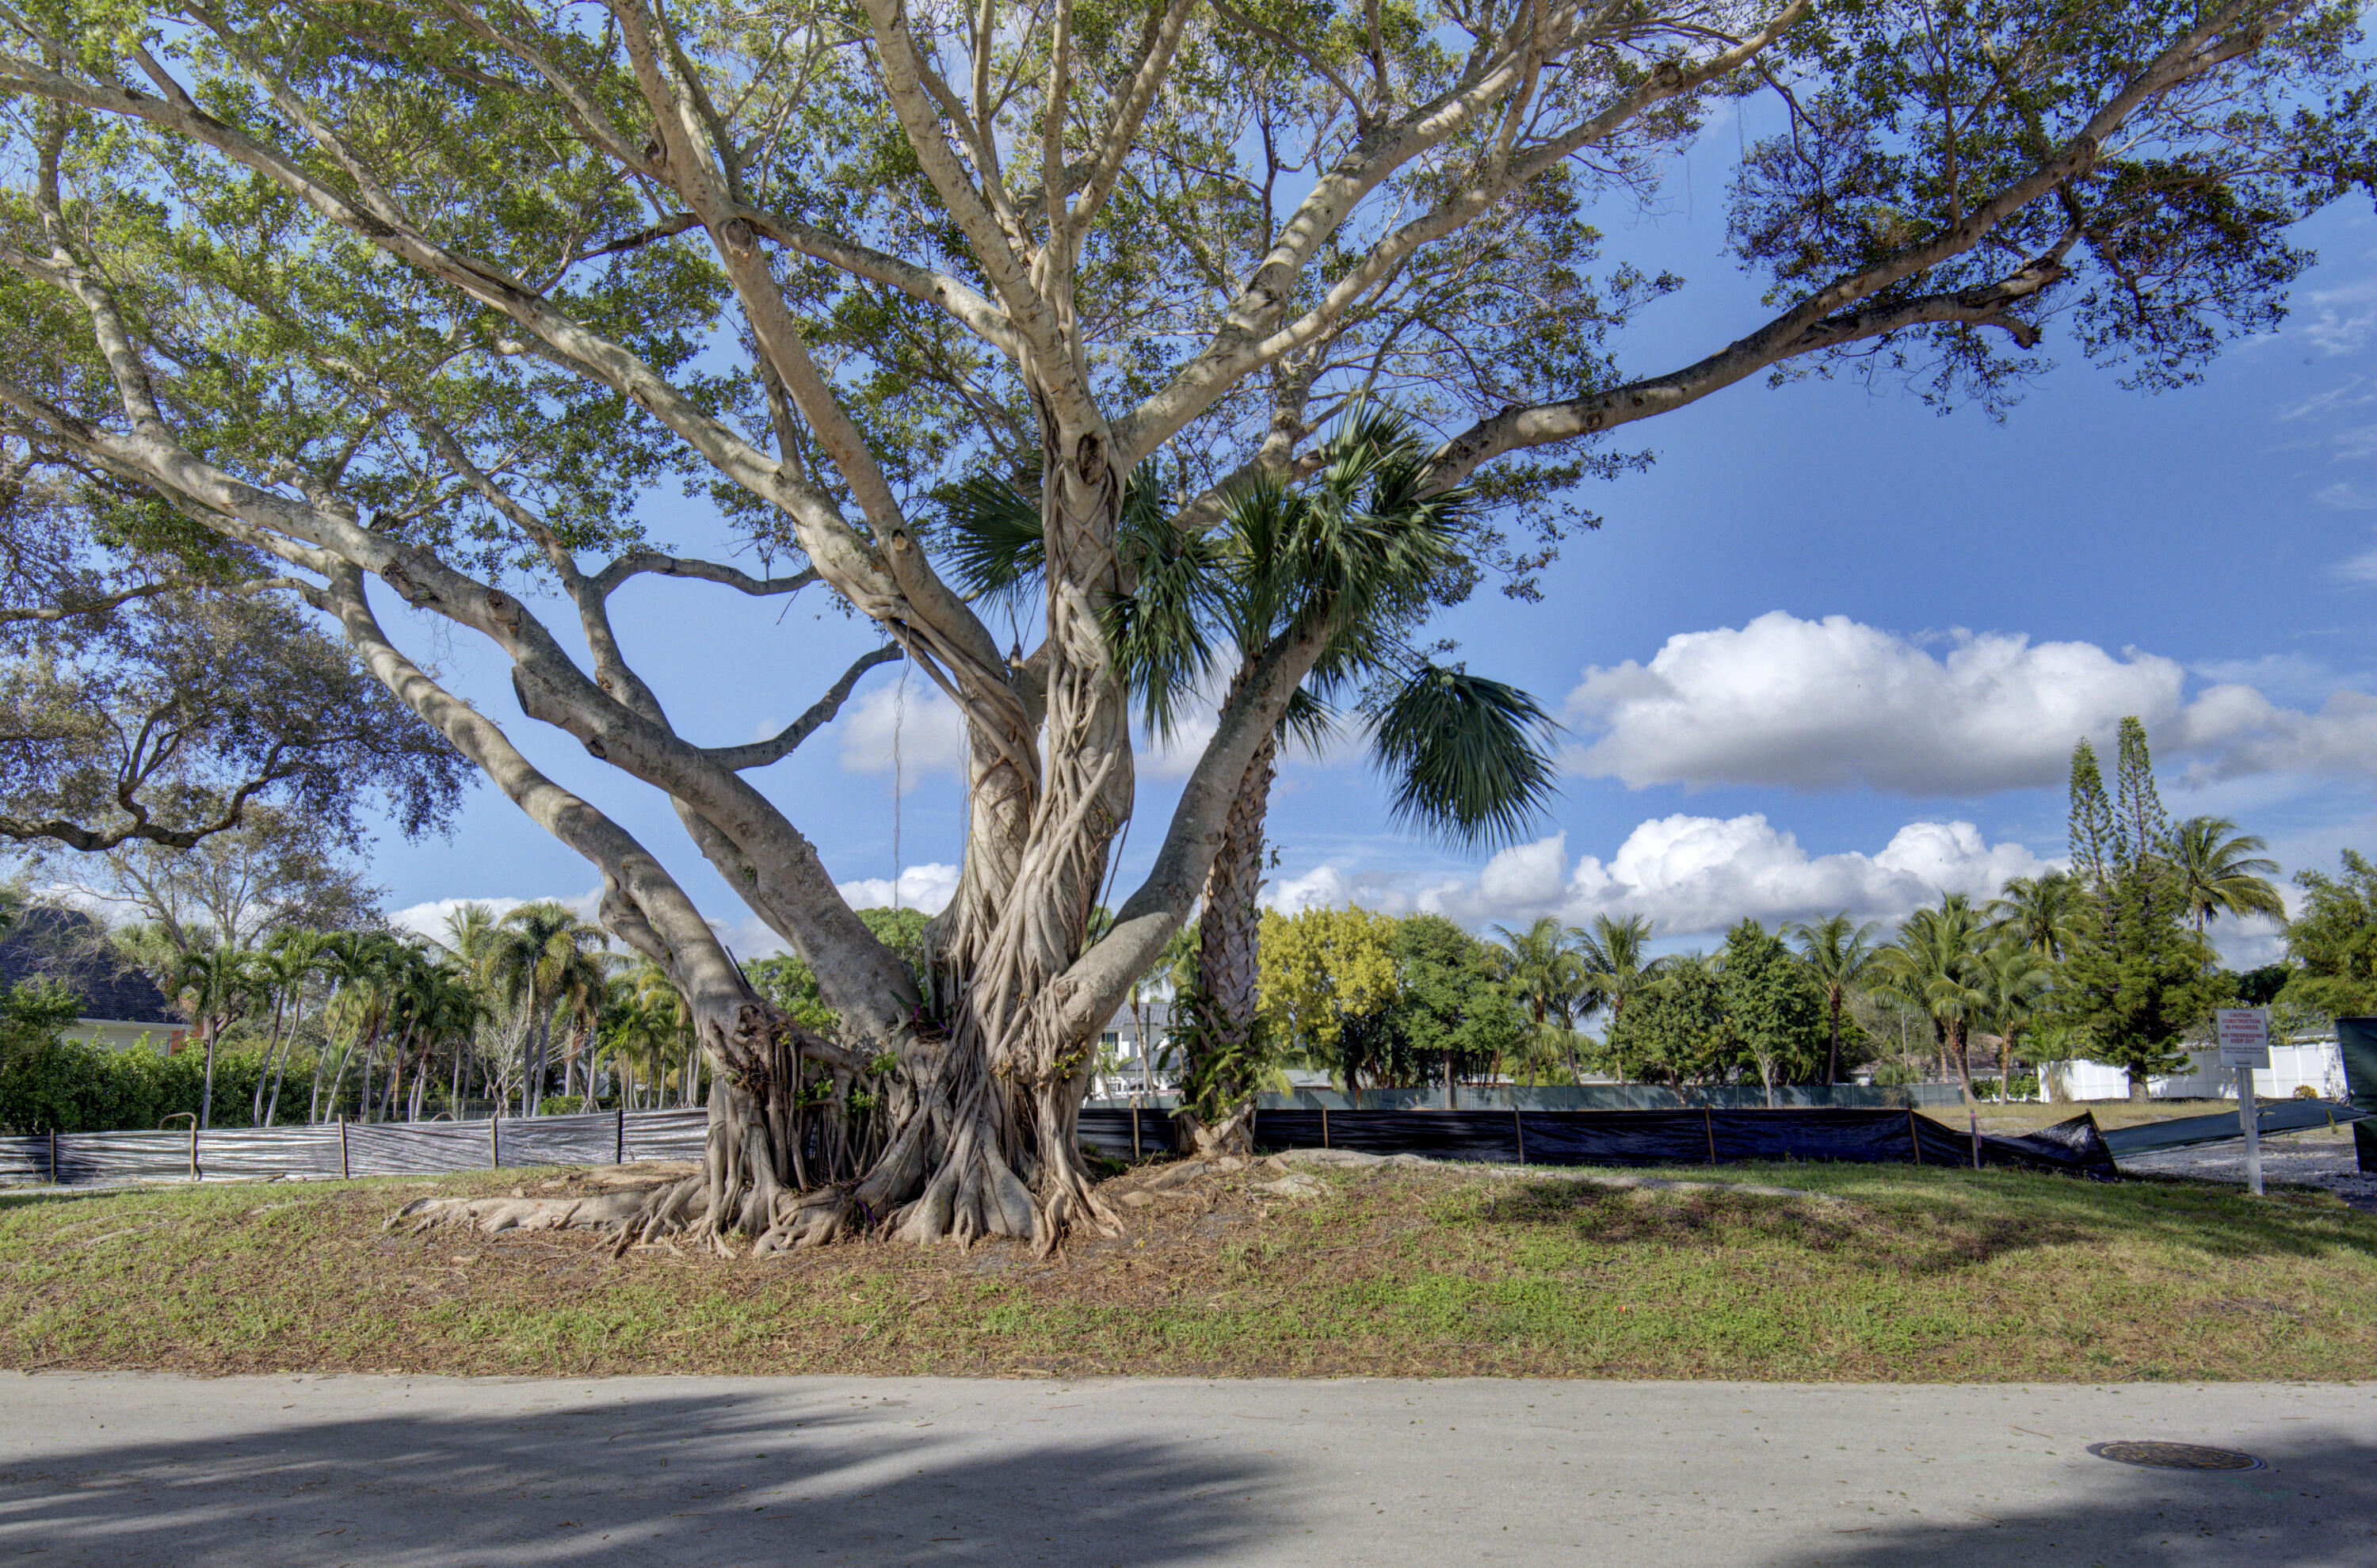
[{"x": 1890, "y": 1274}]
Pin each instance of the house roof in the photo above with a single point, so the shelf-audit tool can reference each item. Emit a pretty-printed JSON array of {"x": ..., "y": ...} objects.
[{"x": 67, "y": 946}]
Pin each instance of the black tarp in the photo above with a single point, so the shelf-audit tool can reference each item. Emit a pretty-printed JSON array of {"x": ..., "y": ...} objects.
[{"x": 1643, "y": 1137}]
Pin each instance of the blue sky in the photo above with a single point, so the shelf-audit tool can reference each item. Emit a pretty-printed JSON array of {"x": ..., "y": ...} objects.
[{"x": 1830, "y": 650}]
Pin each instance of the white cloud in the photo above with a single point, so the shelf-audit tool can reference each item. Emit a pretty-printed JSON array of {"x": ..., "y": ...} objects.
[
  {"x": 1834, "y": 704},
  {"x": 2345, "y": 497},
  {"x": 2361, "y": 568},
  {"x": 929, "y": 730},
  {"x": 928, "y": 887},
  {"x": 2338, "y": 320},
  {"x": 429, "y": 919},
  {"x": 1690, "y": 875}
]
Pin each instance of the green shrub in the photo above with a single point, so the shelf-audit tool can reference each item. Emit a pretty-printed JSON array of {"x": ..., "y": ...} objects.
[{"x": 75, "y": 1087}]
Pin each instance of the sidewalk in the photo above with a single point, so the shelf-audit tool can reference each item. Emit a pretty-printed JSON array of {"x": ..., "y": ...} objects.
[{"x": 323, "y": 1471}]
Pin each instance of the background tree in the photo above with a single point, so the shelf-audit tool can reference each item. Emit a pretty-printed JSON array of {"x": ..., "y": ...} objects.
[
  {"x": 1675, "y": 1028},
  {"x": 1839, "y": 955},
  {"x": 2334, "y": 939},
  {"x": 214, "y": 987},
  {"x": 1615, "y": 957},
  {"x": 2016, "y": 984},
  {"x": 1774, "y": 1006},
  {"x": 541, "y": 956},
  {"x": 1939, "y": 964},
  {"x": 1450, "y": 1002},
  {"x": 1321, "y": 969},
  {"x": 273, "y": 871},
  {"x": 817, "y": 259},
  {"x": 1543, "y": 973},
  {"x": 2134, "y": 979},
  {"x": 163, "y": 720},
  {"x": 2222, "y": 871},
  {"x": 2035, "y": 913}
]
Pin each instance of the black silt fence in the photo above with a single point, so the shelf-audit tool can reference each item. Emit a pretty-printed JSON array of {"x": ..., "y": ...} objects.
[{"x": 1638, "y": 1137}]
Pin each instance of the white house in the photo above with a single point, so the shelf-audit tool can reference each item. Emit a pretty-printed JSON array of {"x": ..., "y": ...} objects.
[{"x": 2315, "y": 1063}]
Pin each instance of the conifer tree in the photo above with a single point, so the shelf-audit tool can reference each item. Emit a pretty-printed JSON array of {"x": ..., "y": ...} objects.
[{"x": 2134, "y": 977}]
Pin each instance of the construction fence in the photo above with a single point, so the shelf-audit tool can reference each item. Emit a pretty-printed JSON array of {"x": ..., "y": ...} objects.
[{"x": 1705, "y": 1136}]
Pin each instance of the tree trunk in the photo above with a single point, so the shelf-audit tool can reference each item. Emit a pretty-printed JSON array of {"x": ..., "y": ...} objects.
[
  {"x": 1832, "y": 1056},
  {"x": 272, "y": 1054},
  {"x": 207, "y": 1095},
  {"x": 1229, "y": 968},
  {"x": 1964, "y": 1065},
  {"x": 2140, "y": 1086}
]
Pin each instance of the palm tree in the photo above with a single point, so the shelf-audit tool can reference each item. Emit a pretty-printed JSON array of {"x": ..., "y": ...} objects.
[
  {"x": 2222, "y": 871},
  {"x": 1939, "y": 964},
  {"x": 2015, "y": 981},
  {"x": 1840, "y": 955},
  {"x": 360, "y": 965},
  {"x": 1547, "y": 977},
  {"x": 1614, "y": 959},
  {"x": 287, "y": 961},
  {"x": 2035, "y": 913},
  {"x": 537, "y": 955},
  {"x": 214, "y": 985}
]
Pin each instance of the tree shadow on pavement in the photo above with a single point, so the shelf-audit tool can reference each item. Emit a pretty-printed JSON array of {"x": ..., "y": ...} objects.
[
  {"x": 2314, "y": 1507},
  {"x": 776, "y": 1478}
]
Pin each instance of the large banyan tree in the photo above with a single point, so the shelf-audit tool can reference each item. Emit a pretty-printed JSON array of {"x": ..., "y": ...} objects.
[{"x": 429, "y": 293}]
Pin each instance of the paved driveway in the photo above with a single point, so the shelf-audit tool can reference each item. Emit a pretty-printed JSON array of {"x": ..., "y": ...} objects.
[{"x": 132, "y": 1470}]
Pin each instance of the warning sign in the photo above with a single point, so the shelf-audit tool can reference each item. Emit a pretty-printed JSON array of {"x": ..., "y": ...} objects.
[{"x": 2244, "y": 1035}]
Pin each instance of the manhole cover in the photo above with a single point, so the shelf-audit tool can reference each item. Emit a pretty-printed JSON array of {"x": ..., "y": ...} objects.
[{"x": 2175, "y": 1456}]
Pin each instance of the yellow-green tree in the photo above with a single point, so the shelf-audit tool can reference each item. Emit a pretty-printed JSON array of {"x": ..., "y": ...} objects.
[{"x": 1318, "y": 968}]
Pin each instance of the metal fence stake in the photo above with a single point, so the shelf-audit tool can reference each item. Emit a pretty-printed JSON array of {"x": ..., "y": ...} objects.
[
  {"x": 1134, "y": 1130},
  {"x": 1915, "y": 1143},
  {"x": 343, "y": 1148},
  {"x": 1325, "y": 1126},
  {"x": 494, "y": 1143},
  {"x": 1708, "y": 1125},
  {"x": 1519, "y": 1127},
  {"x": 620, "y": 1156},
  {"x": 54, "y": 1180}
]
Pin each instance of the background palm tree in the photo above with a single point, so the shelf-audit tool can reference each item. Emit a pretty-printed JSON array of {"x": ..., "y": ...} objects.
[
  {"x": 287, "y": 961},
  {"x": 1939, "y": 963},
  {"x": 2017, "y": 980},
  {"x": 214, "y": 985},
  {"x": 540, "y": 954},
  {"x": 1545, "y": 975},
  {"x": 2035, "y": 914},
  {"x": 1841, "y": 955},
  {"x": 1613, "y": 957},
  {"x": 2222, "y": 871}
]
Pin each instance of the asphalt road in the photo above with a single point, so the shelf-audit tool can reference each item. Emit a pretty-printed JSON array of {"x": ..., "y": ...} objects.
[{"x": 427, "y": 1472}]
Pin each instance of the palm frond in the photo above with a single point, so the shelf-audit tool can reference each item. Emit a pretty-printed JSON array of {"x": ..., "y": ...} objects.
[
  {"x": 992, "y": 537},
  {"x": 1470, "y": 759}
]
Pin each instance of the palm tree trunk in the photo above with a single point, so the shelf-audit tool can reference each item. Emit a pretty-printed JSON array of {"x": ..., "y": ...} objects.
[
  {"x": 288, "y": 1048},
  {"x": 1964, "y": 1066},
  {"x": 1833, "y": 1056},
  {"x": 207, "y": 1095},
  {"x": 272, "y": 1050},
  {"x": 1229, "y": 935}
]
